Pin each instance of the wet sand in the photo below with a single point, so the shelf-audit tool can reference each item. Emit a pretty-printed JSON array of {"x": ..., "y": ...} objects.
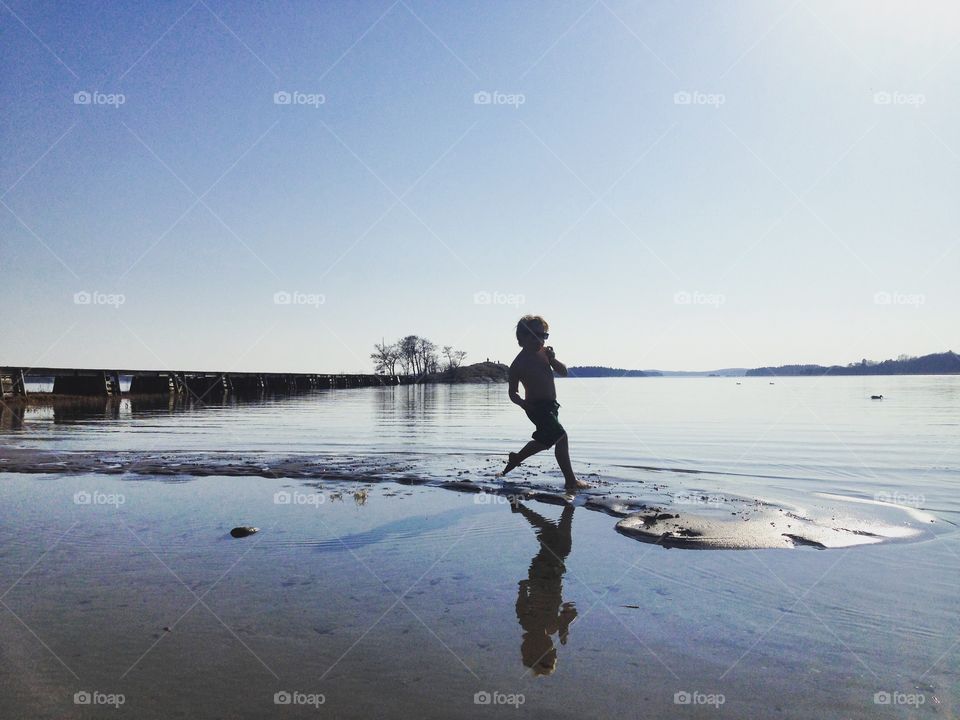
[
  {"x": 406, "y": 600},
  {"x": 663, "y": 509}
]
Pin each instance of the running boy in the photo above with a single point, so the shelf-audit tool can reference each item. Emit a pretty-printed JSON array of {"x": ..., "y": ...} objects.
[{"x": 534, "y": 367}]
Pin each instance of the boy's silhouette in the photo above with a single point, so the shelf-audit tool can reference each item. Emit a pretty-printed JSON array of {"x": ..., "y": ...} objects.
[
  {"x": 540, "y": 607},
  {"x": 534, "y": 367}
]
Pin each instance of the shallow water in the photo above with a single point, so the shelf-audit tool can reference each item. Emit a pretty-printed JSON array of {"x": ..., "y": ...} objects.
[
  {"x": 706, "y": 449},
  {"x": 805, "y": 434},
  {"x": 408, "y": 600}
]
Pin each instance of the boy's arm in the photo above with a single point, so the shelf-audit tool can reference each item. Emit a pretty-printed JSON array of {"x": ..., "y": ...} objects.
[
  {"x": 514, "y": 387},
  {"x": 558, "y": 367}
]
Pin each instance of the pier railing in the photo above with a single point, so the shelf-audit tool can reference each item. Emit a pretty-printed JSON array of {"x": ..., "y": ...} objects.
[{"x": 106, "y": 383}]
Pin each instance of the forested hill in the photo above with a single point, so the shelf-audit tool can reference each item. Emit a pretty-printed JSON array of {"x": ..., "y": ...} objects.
[
  {"x": 945, "y": 363},
  {"x": 584, "y": 371}
]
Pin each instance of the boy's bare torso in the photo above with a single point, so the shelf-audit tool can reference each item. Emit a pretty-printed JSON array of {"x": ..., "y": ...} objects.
[{"x": 533, "y": 371}]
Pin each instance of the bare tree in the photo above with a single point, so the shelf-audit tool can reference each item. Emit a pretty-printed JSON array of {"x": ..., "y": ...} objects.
[
  {"x": 409, "y": 347},
  {"x": 413, "y": 355},
  {"x": 454, "y": 357},
  {"x": 427, "y": 354},
  {"x": 385, "y": 358}
]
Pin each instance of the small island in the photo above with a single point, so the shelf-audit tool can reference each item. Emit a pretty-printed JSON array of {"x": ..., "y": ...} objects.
[
  {"x": 481, "y": 372},
  {"x": 421, "y": 361}
]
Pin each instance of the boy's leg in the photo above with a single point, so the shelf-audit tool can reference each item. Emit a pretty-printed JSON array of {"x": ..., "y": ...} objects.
[
  {"x": 562, "y": 451},
  {"x": 531, "y": 448}
]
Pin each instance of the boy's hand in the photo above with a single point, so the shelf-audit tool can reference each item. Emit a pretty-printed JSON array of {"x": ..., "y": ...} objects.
[{"x": 558, "y": 367}]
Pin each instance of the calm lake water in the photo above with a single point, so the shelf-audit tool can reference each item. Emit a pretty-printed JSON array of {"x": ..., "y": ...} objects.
[
  {"x": 784, "y": 440},
  {"x": 409, "y": 601}
]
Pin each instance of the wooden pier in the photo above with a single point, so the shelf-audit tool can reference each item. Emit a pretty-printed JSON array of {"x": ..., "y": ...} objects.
[{"x": 79, "y": 382}]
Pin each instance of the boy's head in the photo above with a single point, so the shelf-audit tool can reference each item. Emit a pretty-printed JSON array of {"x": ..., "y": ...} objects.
[{"x": 531, "y": 332}]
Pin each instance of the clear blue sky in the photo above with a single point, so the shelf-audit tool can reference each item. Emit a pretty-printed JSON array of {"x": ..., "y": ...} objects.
[{"x": 801, "y": 207}]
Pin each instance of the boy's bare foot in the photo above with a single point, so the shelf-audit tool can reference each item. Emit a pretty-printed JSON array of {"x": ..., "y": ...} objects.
[
  {"x": 577, "y": 485},
  {"x": 512, "y": 462}
]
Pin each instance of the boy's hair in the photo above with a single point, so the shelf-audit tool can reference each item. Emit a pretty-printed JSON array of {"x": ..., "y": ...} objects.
[{"x": 528, "y": 325}]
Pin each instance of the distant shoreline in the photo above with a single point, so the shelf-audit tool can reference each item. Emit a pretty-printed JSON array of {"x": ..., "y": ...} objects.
[{"x": 946, "y": 363}]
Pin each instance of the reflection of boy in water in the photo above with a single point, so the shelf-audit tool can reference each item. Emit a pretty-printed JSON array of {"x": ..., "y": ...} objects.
[{"x": 540, "y": 607}]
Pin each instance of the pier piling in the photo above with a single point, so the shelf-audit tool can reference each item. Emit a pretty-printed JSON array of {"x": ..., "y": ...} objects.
[{"x": 11, "y": 383}]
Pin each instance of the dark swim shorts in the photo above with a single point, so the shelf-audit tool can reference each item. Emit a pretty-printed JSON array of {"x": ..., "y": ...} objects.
[{"x": 543, "y": 414}]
